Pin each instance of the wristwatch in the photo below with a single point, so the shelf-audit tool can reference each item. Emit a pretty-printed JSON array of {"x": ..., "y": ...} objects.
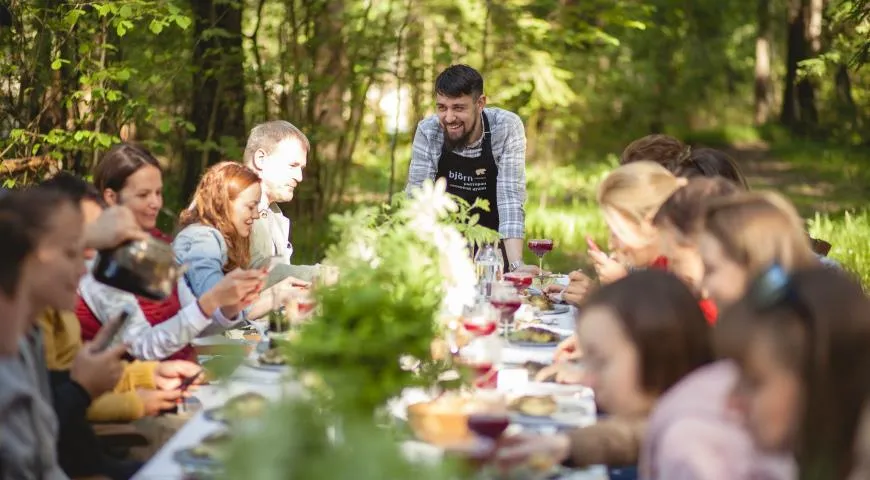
[{"x": 515, "y": 265}]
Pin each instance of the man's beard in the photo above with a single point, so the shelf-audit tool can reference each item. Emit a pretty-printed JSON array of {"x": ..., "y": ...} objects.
[{"x": 449, "y": 145}]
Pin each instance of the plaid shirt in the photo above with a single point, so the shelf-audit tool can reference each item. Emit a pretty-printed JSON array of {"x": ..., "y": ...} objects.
[{"x": 508, "y": 138}]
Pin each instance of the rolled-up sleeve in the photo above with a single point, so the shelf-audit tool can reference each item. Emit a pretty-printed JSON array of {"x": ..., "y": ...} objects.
[
  {"x": 203, "y": 251},
  {"x": 423, "y": 164},
  {"x": 511, "y": 182}
]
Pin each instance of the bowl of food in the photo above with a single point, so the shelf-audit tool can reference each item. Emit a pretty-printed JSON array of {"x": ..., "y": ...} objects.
[{"x": 441, "y": 422}]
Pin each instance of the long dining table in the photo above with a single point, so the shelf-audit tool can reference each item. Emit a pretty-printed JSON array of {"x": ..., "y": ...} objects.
[{"x": 274, "y": 385}]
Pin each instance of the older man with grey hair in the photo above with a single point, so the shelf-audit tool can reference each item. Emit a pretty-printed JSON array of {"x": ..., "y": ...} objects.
[{"x": 278, "y": 152}]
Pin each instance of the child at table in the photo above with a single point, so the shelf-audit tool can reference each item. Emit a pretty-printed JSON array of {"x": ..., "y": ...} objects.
[{"x": 640, "y": 335}]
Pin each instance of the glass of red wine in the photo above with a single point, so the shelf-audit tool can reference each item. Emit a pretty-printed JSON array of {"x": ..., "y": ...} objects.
[
  {"x": 489, "y": 424},
  {"x": 540, "y": 247},
  {"x": 520, "y": 280},
  {"x": 480, "y": 320},
  {"x": 507, "y": 301}
]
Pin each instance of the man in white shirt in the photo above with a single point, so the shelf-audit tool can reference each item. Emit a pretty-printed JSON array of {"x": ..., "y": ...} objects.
[{"x": 278, "y": 152}]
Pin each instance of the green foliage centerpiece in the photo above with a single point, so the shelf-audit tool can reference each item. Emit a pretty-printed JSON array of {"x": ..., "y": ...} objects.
[{"x": 401, "y": 267}]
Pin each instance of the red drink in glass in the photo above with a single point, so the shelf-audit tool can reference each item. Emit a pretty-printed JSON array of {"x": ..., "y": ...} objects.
[
  {"x": 521, "y": 281},
  {"x": 489, "y": 425},
  {"x": 478, "y": 329},
  {"x": 305, "y": 307},
  {"x": 507, "y": 307},
  {"x": 486, "y": 377},
  {"x": 540, "y": 246}
]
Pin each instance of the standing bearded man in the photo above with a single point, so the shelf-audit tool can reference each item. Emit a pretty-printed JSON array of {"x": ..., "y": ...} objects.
[{"x": 480, "y": 152}]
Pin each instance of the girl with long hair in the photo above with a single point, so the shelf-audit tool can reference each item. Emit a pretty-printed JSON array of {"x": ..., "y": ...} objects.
[{"x": 803, "y": 366}]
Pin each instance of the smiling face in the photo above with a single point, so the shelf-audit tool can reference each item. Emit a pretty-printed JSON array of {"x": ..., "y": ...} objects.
[
  {"x": 460, "y": 119},
  {"x": 143, "y": 194},
  {"x": 281, "y": 171},
  {"x": 612, "y": 362},
  {"x": 246, "y": 209},
  {"x": 57, "y": 264}
]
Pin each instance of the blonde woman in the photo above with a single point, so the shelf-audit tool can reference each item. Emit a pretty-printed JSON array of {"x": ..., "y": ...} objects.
[
  {"x": 741, "y": 237},
  {"x": 629, "y": 198}
]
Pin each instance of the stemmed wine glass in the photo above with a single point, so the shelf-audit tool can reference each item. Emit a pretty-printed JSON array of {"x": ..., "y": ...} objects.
[
  {"x": 506, "y": 299},
  {"x": 540, "y": 247},
  {"x": 480, "y": 320},
  {"x": 520, "y": 280}
]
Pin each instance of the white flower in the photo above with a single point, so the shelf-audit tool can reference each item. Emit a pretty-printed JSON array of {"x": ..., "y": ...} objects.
[
  {"x": 365, "y": 252},
  {"x": 431, "y": 200}
]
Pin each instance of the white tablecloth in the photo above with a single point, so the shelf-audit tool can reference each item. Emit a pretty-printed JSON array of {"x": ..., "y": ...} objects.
[{"x": 271, "y": 385}]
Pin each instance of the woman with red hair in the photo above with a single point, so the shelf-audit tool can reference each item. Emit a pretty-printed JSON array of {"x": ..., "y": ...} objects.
[
  {"x": 216, "y": 230},
  {"x": 129, "y": 175}
]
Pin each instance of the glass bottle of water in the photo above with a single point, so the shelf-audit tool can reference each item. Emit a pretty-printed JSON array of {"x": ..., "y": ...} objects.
[{"x": 489, "y": 265}]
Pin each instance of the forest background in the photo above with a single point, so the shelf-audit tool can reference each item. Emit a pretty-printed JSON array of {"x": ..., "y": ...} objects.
[{"x": 780, "y": 84}]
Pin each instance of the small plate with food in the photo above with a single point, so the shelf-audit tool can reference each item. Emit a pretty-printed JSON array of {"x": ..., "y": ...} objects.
[
  {"x": 552, "y": 410},
  {"x": 534, "y": 336},
  {"x": 247, "y": 406},
  {"x": 544, "y": 306},
  {"x": 207, "y": 457}
]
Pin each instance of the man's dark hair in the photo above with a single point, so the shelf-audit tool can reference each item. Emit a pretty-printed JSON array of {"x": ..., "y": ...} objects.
[
  {"x": 266, "y": 136},
  {"x": 75, "y": 187},
  {"x": 459, "y": 80},
  {"x": 661, "y": 317},
  {"x": 24, "y": 218}
]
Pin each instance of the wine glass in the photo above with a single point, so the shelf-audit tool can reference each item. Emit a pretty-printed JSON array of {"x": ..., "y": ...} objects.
[
  {"x": 480, "y": 320},
  {"x": 490, "y": 417},
  {"x": 540, "y": 247},
  {"x": 507, "y": 301},
  {"x": 520, "y": 280},
  {"x": 482, "y": 355}
]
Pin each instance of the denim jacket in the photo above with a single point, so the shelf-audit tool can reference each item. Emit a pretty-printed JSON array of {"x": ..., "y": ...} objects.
[{"x": 204, "y": 250}]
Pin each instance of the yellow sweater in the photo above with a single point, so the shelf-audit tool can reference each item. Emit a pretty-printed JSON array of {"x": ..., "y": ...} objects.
[{"x": 62, "y": 337}]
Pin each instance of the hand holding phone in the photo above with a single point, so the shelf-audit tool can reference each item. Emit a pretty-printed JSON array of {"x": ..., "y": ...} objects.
[
  {"x": 114, "y": 328},
  {"x": 187, "y": 382}
]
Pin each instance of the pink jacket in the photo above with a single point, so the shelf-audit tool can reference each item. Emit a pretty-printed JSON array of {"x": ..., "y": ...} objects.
[{"x": 692, "y": 435}]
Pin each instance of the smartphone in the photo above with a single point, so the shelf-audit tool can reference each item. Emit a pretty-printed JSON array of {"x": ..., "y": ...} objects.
[
  {"x": 116, "y": 327},
  {"x": 187, "y": 382}
]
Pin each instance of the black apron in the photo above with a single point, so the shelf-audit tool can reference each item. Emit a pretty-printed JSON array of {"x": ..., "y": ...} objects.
[{"x": 470, "y": 178}]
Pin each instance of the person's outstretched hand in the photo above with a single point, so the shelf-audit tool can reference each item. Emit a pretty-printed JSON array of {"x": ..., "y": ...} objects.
[{"x": 115, "y": 226}]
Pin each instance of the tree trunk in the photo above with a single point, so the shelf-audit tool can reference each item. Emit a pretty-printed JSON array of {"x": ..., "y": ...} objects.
[
  {"x": 798, "y": 102},
  {"x": 763, "y": 84},
  {"x": 217, "y": 107}
]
